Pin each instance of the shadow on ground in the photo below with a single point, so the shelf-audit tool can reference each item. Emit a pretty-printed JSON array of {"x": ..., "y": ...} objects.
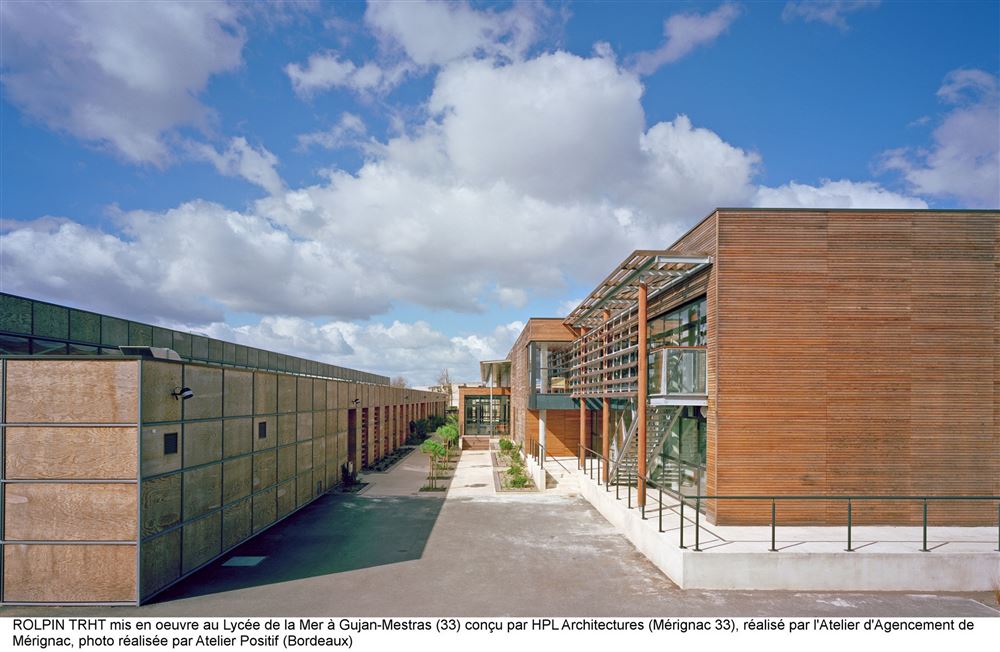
[{"x": 335, "y": 534}]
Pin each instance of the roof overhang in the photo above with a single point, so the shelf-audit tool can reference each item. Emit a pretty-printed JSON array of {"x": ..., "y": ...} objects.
[
  {"x": 656, "y": 269},
  {"x": 487, "y": 368}
]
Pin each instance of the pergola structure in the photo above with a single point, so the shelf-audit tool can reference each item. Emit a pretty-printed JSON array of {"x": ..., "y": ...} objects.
[{"x": 609, "y": 359}]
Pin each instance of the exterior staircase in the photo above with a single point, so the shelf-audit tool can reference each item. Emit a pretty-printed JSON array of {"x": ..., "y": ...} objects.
[
  {"x": 560, "y": 479},
  {"x": 659, "y": 422}
]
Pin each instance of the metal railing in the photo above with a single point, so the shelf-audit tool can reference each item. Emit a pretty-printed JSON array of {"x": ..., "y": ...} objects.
[{"x": 594, "y": 461}]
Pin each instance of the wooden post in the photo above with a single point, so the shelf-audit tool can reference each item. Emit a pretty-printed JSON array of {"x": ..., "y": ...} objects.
[
  {"x": 605, "y": 407},
  {"x": 642, "y": 394},
  {"x": 583, "y": 416}
]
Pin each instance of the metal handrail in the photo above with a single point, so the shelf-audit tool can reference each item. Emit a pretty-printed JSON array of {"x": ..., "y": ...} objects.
[{"x": 923, "y": 498}]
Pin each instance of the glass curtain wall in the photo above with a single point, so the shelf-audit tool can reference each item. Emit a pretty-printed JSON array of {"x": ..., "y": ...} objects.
[
  {"x": 680, "y": 462},
  {"x": 484, "y": 416}
]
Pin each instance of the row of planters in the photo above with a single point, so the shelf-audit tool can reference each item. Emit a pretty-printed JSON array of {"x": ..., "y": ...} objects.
[
  {"x": 513, "y": 475},
  {"x": 443, "y": 451}
]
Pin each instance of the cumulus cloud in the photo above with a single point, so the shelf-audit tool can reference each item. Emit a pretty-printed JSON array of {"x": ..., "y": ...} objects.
[
  {"x": 684, "y": 33},
  {"x": 833, "y": 194},
  {"x": 414, "y": 350},
  {"x": 434, "y": 32},
  {"x": 326, "y": 70},
  {"x": 345, "y": 133},
  {"x": 240, "y": 159},
  {"x": 831, "y": 12},
  {"x": 963, "y": 161},
  {"x": 119, "y": 75},
  {"x": 491, "y": 192}
]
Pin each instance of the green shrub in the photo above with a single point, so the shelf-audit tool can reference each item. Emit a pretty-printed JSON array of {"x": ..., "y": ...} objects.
[
  {"x": 519, "y": 481},
  {"x": 506, "y": 445}
]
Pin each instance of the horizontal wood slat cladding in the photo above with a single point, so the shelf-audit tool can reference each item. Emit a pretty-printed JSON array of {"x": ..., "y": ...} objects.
[
  {"x": 71, "y": 453},
  {"x": 70, "y": 391},
  {"x": 857, "y": 354},
  {"x": 562, "y": 431},
  {"x": 69, "y": 573}
]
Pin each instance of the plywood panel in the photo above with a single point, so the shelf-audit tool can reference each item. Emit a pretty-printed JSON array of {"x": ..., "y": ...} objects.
[
  {"x": 159, "y": 379},
  {"x": 319, "y": 451},
  {"x": 286, "y": 429},
  {"x": 286, "y": 462},
  {"x": 69, "y": 573},
  {"x": 304, "y": 430},
  {"x": 66, "y": 391},
  {"x": 154, "y": 458},
  {"x": 161, "y": 503},
  {"x": 236, "y": 523},
  {"x": 206, "y": 383},
  {"x": 319, "y": 394},
  {"x": 70, "y": 512},
  {"x": 264, "y": 469},
  {"x": 202, "y": 442},
  {"x": 237, "y": 477},
  {"x": 237, "y": 437},
  {"x": 202, "y": 490},
  {"x": 161, "y": 562},
  {"x": 265, "y": 393},
  {"x": 202, "y": 541},
  {"x": 238, "y": 398},
  {"x": 303, "y": 488},
  {"x": 305, "y": 394},
  {"x": 264, "y": 509},
  {"x": 304, "y": 456},
  {"x": 286, "y": 393},
  {"x": 286, "y": 497},
  {"x": 69, "y": 453},
  {"x": 270, "y": 433}
]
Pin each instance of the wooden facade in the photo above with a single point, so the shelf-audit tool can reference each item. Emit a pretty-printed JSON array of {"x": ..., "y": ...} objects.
[{"x": 113, "y": 489}]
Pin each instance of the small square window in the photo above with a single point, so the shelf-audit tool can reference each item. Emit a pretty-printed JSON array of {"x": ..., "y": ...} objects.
[
  {"x": 262, "y": 430},
  {"x": 169, "y": 443}
]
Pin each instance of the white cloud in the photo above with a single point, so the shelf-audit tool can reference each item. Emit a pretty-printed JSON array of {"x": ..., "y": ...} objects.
[
  {"x": 434, "y": 32},
  {"x": 684, "y": 33},
  {"x": 963, "y": 162},
  {"x": 120, "y": 75},
  {"x": 415, "y": 350},
  {"x": 833, "y": 194},
  {"x": 831, "y": 12},
  {"x": 345, "y": 133},
  {"x": 512, "y": 297},
  {"x": 326, "y": 70},
  {"x": 240, "y": 159},
  {"x": 440, "y": 217}
]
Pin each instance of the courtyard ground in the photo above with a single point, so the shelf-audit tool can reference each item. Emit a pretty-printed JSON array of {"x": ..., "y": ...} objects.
[{"x": 394, "y": 551}]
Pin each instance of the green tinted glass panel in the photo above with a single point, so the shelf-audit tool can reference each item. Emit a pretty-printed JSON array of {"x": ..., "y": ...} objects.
[
  {"x": 114, "y": 332},
  {"x": 84, "y": 326},
  {"x": 51, "y": 321},
  {"x": 47, "y": 347},
  {"x": 215, "y": 349},
  {"x": 13, "y": 345},
  {"x": 15, "y": 314},
  {"x": 228, "y": 352},
  {"x": 199, "y": 347},
  {"x": 182, "y": 344},
  {"x": 82, "y": 349},
  {"x": 163, "y": 338},
  {"x": 140, "y": 334}
]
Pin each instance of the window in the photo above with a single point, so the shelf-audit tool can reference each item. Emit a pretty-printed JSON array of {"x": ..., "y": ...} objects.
[
  {"x": 683, "y": 326},
  {"x": 262, "y": 430}
]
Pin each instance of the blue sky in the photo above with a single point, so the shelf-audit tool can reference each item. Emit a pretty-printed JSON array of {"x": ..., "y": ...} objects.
[{"x": 395, "y": 186}]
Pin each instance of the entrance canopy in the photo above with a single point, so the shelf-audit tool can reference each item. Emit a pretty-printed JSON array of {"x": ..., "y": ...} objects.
[{"x": 657, "y": 269}]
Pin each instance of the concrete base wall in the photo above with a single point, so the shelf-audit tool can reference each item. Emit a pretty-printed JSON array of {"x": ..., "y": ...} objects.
[{"x": 794, "y": 571}]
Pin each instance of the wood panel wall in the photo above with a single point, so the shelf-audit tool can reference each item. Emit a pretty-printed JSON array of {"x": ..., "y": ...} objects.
[
  {"x": 857, "y": 353},
  {"x": 70, "y": 492},
  {"x": 67, "y": 421}
]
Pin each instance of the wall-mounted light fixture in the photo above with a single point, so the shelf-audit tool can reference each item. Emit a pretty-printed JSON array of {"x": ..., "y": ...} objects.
[
  {"x": 183, "y": 393},
  {"x": 357, "y": 401}
]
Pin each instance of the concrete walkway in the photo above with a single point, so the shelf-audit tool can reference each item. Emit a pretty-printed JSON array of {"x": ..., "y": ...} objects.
[{"x": 392, "y": 551}]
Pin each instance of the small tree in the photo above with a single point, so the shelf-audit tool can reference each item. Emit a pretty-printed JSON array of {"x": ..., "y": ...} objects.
[
  {"x": 434, "y": 449},
  {"x": 449, "y": 435},
  {"x": 399, "y": 382}
]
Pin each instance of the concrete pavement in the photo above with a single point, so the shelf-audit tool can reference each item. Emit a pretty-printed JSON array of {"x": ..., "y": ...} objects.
[{"x": 392, "y": 551}]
